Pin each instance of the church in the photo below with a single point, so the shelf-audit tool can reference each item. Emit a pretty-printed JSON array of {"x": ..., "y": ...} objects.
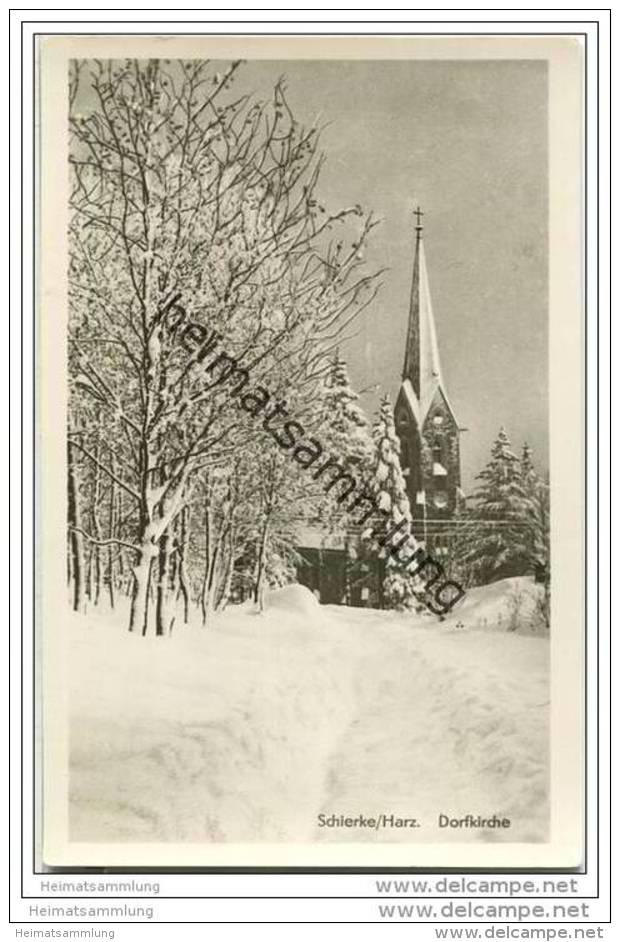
[
  {"x": 429, "y": 436},
  {"x": 426, "y": 425}
]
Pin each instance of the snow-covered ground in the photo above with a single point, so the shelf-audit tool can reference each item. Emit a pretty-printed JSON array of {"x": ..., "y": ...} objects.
[{"x": 248, "y": 730}]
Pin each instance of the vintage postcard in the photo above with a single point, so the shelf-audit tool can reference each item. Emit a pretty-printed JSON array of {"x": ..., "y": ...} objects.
[{"x": 311, "y": 452}]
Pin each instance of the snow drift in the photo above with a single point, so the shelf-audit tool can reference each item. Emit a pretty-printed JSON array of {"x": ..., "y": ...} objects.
[
  {"x": 210, "y": 735},
  {"x": 248, "y": 730},
  {"x": 512, "y": 604}
]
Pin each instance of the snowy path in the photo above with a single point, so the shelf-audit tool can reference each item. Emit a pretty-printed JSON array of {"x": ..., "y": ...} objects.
[
  {"x": 441, "y": 728},
  {"x": 250, "y": 730}
]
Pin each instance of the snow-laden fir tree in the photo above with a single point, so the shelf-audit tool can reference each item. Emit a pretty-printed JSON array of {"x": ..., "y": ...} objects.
[
  {"x": 537, "y": 495},
  {"x": 346, "y": 431},
  {"x": 346, "y": 437},
  {"x": 496, "y": 542},
  {"x": 528, "y": 471},
  {"x": 389, "y": 486}
]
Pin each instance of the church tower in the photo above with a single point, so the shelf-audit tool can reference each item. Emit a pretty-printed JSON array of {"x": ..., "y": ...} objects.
[{"x": 425, "y": 422}]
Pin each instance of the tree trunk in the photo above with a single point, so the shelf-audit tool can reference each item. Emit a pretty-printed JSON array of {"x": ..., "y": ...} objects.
[
  {"x": 89, "y": 574},
  {"x": 230, "y": 568},
  {"x": 213, "y": 541},
  {"x": 162, "y": 621},
  {"x": 138, "y": 619},
  {"x": 208, "y": 585},
  {"x": 205, "y": 581},
  {"x": 182, "y": 566},
  {"x": 110, "y": 549},
  {"x": 97, "y": 569},
  {"x": 75, "y": 541},
  {"x": 259, "y": 579},
  {"x": 94, "y": 577}
]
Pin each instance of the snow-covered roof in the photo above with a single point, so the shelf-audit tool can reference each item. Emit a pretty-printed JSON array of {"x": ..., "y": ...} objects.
[
  {"x": 315, "y": 538},
  {"x": 430, "y": 366},
  {"x": 441, "y": 392},
  {"x": 412, "y": 399},
  {"x": 422, "y": 342}
]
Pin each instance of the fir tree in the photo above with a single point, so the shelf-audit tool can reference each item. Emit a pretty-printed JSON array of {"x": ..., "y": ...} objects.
[
  {"x": 537, "y": 493},
  {"x": 537, "y": 497},
  {"x": 345, "y": 434},
  {"x": 388, "y": 483},
  {"x": 497, "y": 541},
  {"x": 528, "y": 471},
  {"x": 346, "y": 427}
]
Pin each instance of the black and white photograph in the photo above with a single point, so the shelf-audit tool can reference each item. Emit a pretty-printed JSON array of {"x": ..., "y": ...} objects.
[{"x": 300, "y": 401}]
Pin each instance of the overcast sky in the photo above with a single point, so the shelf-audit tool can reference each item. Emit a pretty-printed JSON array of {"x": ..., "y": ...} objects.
[{"x": 468, "y": 141}]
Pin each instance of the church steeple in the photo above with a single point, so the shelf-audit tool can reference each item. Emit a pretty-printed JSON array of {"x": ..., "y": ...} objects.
[
  {"x": 425, "y": 423},
  {"x": 421, "y": 367}
]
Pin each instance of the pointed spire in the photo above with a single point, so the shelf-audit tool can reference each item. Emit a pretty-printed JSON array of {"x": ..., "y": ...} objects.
[{"x": 421, "y": 367}]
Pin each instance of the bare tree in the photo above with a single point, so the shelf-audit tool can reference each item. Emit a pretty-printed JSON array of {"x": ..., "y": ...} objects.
[{"x": 190, "y": 202}]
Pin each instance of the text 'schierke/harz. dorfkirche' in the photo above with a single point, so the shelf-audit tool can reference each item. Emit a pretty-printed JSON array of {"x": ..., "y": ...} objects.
[{"x": 430, "y": 455}]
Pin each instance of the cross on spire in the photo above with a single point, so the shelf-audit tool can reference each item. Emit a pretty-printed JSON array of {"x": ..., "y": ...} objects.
[{"x": 418, "y": 216}]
